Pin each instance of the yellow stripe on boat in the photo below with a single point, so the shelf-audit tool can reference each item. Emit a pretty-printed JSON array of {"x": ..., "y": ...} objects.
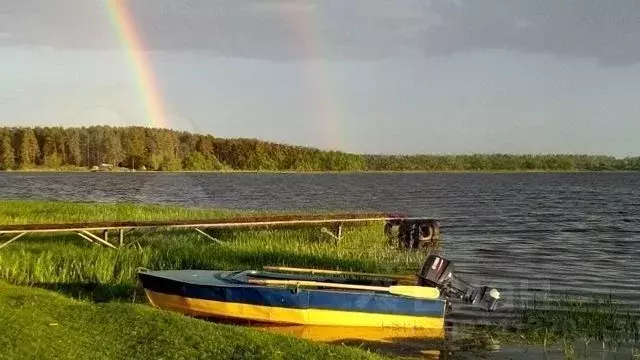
[
  {"x": 337, "y": 333},
  {"x": 272, "y": 314}
]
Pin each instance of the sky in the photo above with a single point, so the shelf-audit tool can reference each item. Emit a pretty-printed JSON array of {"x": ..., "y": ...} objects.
[{"x": 363, "y": 76}]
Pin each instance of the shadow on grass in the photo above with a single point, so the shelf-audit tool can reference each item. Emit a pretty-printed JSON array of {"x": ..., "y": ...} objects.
[
  {"x": 397, "y": 348},
  {"x": 96, "y": 292}
]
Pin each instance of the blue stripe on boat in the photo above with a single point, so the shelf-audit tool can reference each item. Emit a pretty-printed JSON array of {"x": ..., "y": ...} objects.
[{"x": 282, "y": 297}]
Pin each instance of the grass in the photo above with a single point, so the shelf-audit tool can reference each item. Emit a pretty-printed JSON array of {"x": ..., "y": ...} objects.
[
  {"x": 107, "y": 279},
  {"x": 18, "y": 212},
  {"x": 578, "y": 326},
  {"x": 69, "y": 264},
  {"x": 72, "y": 266},
  {"x": 15, "y": 212},
  {"x": 38, "y": 324},
  {"x": 585, "y": 321}
]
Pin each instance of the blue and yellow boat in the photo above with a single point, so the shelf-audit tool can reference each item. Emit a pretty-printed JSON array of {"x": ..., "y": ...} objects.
[
  {"x": 357, "y": 300},
  {"x": 270, "y": 297}
]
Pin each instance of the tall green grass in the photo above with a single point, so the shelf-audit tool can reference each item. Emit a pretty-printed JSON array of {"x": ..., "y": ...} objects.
[
  {"x": 588, "y": 321},
  {"x": 72, "y": 264},
  {"x": 579, "y": 328},
  {"x": 14, "y": 212}
]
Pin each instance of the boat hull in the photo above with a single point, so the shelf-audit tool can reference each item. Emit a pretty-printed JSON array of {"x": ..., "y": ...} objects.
[{"x": 203, "y": 294}]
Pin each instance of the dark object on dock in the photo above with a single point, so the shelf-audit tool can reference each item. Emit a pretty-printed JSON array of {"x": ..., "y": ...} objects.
[{"x": 412, "y": 233}]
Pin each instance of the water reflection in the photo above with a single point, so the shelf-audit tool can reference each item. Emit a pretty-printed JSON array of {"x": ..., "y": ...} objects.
[
  {"x": 421, "y": 343},
  {"x": 432, "y": 344}
]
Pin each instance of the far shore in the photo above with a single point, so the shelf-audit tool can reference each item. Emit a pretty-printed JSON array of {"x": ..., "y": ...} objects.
[{"x": 85, "y": 170}]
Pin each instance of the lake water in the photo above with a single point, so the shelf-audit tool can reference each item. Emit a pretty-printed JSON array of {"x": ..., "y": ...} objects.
[{"x": 526, "y": 234}]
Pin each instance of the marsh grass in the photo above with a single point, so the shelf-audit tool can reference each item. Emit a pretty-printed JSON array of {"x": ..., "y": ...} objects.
[
  {"x": 74, "y": 266},
  {"x": 588, "y": 321},
  {"x": 579, "y": 327},
  {"x": 18, "y": 212}
]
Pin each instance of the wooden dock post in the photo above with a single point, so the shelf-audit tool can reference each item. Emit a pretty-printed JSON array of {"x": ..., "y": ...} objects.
[
  {"x": 87, "y": 238},
  {"x": 337, "y": 236},
  {"x": 96, "y": 238}
]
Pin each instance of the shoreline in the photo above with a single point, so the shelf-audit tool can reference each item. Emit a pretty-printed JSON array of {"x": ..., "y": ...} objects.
[
  {"x": 535, "y": 171},
  {"x": 69, "y": 271}
]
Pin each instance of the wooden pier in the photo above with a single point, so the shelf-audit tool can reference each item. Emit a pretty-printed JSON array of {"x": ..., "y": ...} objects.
[{"x": 331, "y": 224}]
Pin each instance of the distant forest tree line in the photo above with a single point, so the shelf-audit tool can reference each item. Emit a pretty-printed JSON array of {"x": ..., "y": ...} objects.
[{"x": 169, "y": 150}]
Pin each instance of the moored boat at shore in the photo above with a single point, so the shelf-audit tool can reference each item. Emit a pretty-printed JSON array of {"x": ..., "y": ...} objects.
[{"x": 362, "y": 300}]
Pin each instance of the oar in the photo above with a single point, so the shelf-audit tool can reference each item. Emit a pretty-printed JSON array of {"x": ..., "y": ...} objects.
[
  {"x": 336, "y": 272},
  {"x": 405, "y": 290}
]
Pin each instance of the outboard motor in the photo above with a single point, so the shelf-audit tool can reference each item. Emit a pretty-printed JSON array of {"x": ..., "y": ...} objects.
[{"x": 439, "y": 272}]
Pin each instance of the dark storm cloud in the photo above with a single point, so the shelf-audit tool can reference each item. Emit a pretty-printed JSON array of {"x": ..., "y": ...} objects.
[{"x": 607, "y": 30}]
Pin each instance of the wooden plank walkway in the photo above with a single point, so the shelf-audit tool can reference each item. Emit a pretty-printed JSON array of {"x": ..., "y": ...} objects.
[
  {"x": 335, "y": 221},
  {"x": 222, "y": 222}
]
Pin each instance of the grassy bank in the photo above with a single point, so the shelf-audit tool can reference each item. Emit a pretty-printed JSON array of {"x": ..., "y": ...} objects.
[
  {"x": 106, "y": 279},
  {"x": 71, "y": 266},
  {"x": 38, "y": 324}
]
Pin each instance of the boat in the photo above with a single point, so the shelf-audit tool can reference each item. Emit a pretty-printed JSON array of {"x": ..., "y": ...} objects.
[{"x": 288, "y": 296}]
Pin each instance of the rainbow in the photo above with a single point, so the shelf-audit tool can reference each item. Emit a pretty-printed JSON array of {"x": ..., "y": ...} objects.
[
  {"x": 145, "y": 79},
  {"x": 308, "y": 36}
]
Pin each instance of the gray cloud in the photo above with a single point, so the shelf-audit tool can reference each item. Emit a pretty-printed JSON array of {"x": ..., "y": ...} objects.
[
  {"x": 356, "y": 29},
  {"x": 606, "y": 30}
]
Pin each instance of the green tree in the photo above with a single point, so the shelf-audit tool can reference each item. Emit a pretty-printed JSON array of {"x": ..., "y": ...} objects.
[
  {"x": 7, "y": 154},
  {"x": 195, "y": 161},
  {"x": 112, "y": 148},
  {"x": 205, "y": 146},
  {"x": 73, "y": 148},
  {"x": 28, "y": 149},
  {"x": 53, "y": 146},
  {"x": 135, "y": 142}
]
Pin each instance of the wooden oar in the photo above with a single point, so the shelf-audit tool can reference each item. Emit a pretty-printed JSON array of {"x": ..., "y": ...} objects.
[
  {"x": 405, "y": 290},
  {"x": 336, "y": 272}
]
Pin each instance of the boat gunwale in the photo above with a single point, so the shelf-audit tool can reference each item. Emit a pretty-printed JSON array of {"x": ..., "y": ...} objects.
[
  {"x": 322, "y": 292},
  {"x": 232, "y": 281}
]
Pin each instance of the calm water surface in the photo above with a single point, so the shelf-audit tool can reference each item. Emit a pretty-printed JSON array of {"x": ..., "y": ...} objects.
[{"x": 523, "y": 233}]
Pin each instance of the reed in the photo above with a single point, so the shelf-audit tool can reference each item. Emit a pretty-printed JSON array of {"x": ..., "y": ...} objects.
[
  {"x": 602, "y": 321},
  {"x": 574, "y": 327},
  {"x": 72, "y": 265},
  {"x": 14, "y": 212}
]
